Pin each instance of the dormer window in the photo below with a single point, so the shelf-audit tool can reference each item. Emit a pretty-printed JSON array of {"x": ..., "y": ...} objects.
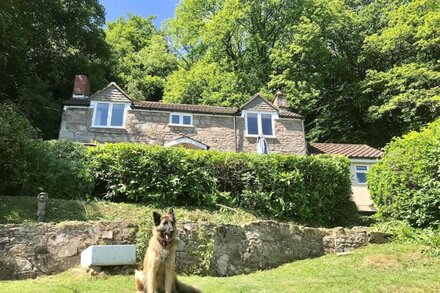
[
  {"x": 258, "y": 123},
  {"x": 108, "y": 114}
]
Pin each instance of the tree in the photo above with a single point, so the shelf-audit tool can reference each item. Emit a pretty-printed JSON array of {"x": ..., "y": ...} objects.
[
  {"x": 204, "y": 83},
  {"x": 44, "y": 44},
  {"x": 402, "y": 85},
  {"x": 359, "y": 71},
  {"x": 317, "y": 68},
  {"x": 141, "y": 56},
  {"x": 237, "y": 35}
]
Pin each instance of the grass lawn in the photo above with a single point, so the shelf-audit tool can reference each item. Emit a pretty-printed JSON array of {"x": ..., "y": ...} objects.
[
  {"x": 377, "y": 268},
  {"x": 19, "y": 209}
]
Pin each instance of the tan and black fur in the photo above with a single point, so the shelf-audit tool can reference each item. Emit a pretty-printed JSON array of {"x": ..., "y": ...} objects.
[{"x": 159, "y": 274}]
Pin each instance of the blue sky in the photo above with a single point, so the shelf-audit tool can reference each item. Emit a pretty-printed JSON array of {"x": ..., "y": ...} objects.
[{"x": 163, "y": 9}]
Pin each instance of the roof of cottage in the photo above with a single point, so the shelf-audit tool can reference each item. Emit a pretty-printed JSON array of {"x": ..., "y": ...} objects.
[
  {"x": 349, "y": 150},
  {"x": 77, "y": 102},
  {"x": 185, "y": 107},
  {"x": 114, "y": 93},
  {"x": 289, "y": 114}
]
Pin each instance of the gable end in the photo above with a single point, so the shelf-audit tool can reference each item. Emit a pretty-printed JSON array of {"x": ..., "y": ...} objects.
[
  {"x": 260, "y": 104},
  {"x": 111, "y": 93}
]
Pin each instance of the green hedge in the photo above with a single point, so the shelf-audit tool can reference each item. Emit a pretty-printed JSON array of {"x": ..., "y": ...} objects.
[
  {"x": 405, "y": 184},
  {"x": 15, "y": 131},
  {"x": 303, "y": 188},
  {"x": 29, "y": 165},
  {"x": 56, "y": 167}
]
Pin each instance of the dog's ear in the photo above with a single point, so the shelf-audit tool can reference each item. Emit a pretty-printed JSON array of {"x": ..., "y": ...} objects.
[
  {"x": 156, "y": 218},
  {"x": 171, "y": 212}
]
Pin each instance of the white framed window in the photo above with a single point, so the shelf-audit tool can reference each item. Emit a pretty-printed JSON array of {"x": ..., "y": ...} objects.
[
  {"x": 361, "y": 173},
  {"x": 181, "y": 119},
  {"x": 259, "y": 123},
  {"x": 108, "y": 114}
]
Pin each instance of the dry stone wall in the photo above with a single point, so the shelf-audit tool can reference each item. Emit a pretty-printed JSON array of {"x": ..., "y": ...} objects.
[
  {"x": 29, "y": 250},
  {"x": 226, "y": 250}
]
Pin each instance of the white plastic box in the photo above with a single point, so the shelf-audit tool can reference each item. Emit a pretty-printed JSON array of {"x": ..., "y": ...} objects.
[{"x": 108, "y": 255}]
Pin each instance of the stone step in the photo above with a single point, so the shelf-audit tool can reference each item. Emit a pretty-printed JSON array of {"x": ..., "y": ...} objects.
[{"x": 108, "y": 255}]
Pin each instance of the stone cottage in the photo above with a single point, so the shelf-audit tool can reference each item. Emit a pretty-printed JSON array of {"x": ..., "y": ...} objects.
[{"x": 110, "y": 115}]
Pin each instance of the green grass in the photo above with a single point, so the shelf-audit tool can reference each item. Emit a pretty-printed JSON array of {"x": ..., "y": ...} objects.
[
  {"x": 20, "y": 209},
  {"x": 377, "y": 268}
]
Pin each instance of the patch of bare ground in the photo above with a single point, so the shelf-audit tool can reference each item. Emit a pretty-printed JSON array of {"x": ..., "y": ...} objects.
[
  {"x": 412, "y": 256},
  {"x": 382, "y": 260}
]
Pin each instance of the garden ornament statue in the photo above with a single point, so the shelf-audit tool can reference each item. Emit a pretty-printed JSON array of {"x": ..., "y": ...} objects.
[{"x": 42, "y": 202}]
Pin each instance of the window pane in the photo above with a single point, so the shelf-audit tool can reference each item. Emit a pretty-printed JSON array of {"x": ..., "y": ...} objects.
[
  {"x": 252, "y": 124},
  {"x": 266, "y": 122},
  {"x": 361, "y": 177},
  {"x": 361, "y": 168},
  {"x": 117, "y": 115},
  {"x": 101, "y": 114},
  {"x": 175, "y": 119},
  {"x": 187, "y": 120}
]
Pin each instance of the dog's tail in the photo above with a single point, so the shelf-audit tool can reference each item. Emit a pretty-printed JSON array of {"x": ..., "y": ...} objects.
[
  {"x": 139, "y": 280},
  {"x": 184, "y": 288}
]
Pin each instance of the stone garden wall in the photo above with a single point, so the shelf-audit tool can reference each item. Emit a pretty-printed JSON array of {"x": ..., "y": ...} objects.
[
  {"x": 225, "y": 250},
  {"x": 29, "y": 250}
]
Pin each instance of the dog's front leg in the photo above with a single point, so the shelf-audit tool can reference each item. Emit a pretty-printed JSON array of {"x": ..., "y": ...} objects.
[
  {"x": 151, "y": 279},
  {"x": 169, "y": 275}
]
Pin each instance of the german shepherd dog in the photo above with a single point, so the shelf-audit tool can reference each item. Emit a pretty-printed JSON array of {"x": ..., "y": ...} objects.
[{"x": 159, "y": 274}]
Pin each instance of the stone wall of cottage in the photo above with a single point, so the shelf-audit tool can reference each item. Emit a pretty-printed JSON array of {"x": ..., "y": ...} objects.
[
  {"x": 29, "y": 250},
  {"x": 289, "y": 137},
  {"x": 152, "y": 127}
]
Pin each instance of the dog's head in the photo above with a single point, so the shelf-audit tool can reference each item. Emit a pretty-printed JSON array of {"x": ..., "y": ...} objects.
[{"x": 165, "y": 226}]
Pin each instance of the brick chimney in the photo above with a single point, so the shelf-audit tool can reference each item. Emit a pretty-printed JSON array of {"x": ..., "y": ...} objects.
[
  {"x": 81, "y": 87},
  {"x": 280, "y": 101}
]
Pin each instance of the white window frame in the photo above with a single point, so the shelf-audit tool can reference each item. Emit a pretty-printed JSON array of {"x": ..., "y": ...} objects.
[
  {"x": 361, "y": 171},
  {"x": 259, "y": 121},
  {"x": 94, "y": 105},
  {"x": 181, "y": 119}
]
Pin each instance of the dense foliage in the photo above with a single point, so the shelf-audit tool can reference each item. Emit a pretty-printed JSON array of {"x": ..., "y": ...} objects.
[
  {"x": 29, "y": 165},
  {"x": 308, "y": 189},
  {"x": 405, "y": 184},
  {"x": 15, "y": 131},
  {"x": 43, "y": 45},
  {"x": 56, "y": 167},
  {"x": 403, "y": 233},
  {"x": 141, "y": 56},
  {"x": 360, "y": 71}
]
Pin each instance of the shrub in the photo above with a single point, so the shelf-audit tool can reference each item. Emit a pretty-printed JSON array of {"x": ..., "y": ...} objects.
[
  {"x": 15, "y": 131},
  {"x": 405, "y": 184},
  {"x": 29, "y": 165},
  {"x": 57, "y": 167},
  {"x": 404, "y": 233},
  {"x": 315, "y": 190}
]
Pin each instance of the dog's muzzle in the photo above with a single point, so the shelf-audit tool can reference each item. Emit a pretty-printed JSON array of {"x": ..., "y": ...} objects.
[{"x": 168, "y": 235}]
